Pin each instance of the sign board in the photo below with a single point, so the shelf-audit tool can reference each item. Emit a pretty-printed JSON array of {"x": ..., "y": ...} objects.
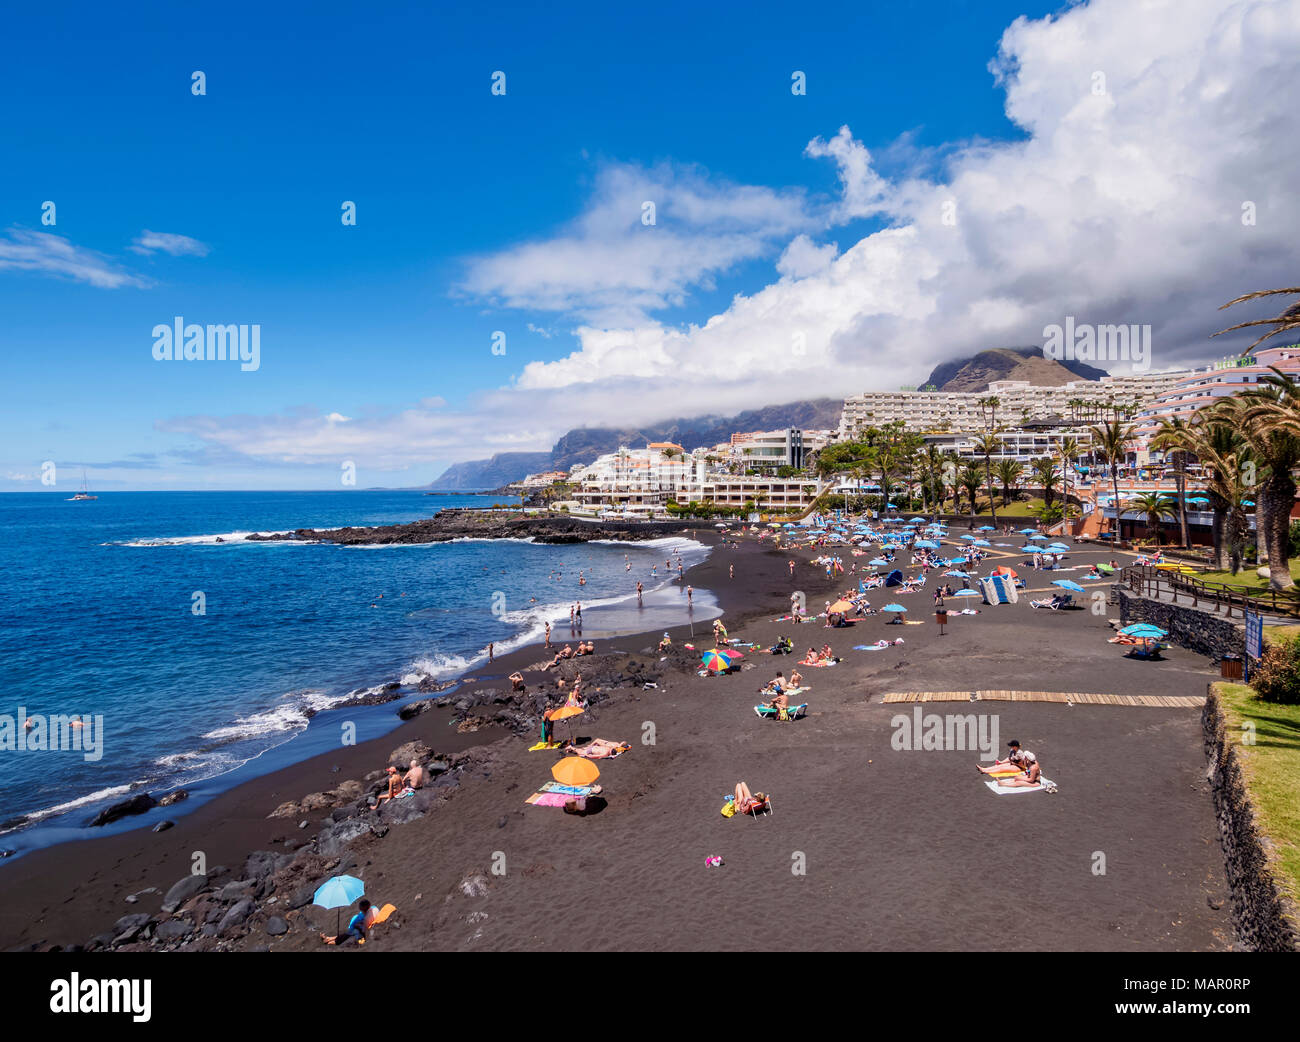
[{"x": 1254, "y": 635}]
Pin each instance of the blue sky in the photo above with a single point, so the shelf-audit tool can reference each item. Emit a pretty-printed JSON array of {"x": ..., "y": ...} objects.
[{"x": 479, "y": 213}]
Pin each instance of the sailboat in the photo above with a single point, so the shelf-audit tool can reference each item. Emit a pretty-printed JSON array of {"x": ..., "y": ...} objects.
[{"x": 84, "y": 493}]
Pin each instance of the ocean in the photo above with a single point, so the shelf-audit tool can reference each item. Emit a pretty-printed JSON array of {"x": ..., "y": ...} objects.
[{"x": 206, "y": 658}]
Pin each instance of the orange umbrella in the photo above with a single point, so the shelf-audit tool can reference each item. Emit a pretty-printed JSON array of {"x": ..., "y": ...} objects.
[
  {"x": 575, "y": 770},
  {"x": 841, "y": 607},
  {"x": 566, "y": 712},
  {"x": 1004, "y": 570}
]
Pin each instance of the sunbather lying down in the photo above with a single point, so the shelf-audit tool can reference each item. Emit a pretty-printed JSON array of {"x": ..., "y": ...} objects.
[{"x": 598, "y": 749}]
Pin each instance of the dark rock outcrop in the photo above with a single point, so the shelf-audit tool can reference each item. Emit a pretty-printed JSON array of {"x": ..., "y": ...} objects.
[{"x": 138, "y": 804}]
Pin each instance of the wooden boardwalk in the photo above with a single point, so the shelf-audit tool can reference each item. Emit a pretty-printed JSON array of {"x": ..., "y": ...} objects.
[{"x": 1074, "y": 697}]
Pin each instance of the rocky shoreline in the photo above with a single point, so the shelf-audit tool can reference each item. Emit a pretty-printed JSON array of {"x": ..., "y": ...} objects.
[
  {"x": 226, "y": 908},
  {"x": 447, "y": 525}
]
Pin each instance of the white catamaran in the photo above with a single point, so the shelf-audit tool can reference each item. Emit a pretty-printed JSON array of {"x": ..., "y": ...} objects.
[{"x": 84, "y": 493}]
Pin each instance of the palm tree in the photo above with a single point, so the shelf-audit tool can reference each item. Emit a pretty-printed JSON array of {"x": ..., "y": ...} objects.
[
  {"x": 971, "y": 480},
  {"x": 1044, "y": 469},
  {"x": 1110, "y": 442},
  {"x": 1069, "y": 450},
  {"x": 1286, "y": 322},
  {"x": 987, "y": 444},
  {"x": 1222, "y": 452},
  {"x": 1269, "y": 419},
  {"x": 1171, "y": 439},
  {"x": 1009, "y": 471},
  {"x": 1155, "y": 506}
]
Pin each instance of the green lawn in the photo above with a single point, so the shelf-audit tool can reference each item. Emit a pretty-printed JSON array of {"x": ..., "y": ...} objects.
[
  {"x": 1272, "y": 771},
  {"x": 1246, "y": 579}
]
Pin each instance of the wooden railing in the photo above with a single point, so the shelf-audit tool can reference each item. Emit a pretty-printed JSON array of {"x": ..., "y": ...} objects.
[{"x": 1152, "y": 582}]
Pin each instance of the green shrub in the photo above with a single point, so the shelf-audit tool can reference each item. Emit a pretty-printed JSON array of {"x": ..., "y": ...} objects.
[{"x": 1277, "y": 677}]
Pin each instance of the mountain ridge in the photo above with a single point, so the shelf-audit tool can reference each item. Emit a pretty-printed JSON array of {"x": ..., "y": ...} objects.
[{"x": 584, "y": 444}]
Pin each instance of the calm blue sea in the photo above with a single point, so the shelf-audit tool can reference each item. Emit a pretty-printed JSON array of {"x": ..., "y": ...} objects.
[{"x": 97, "y": 617}]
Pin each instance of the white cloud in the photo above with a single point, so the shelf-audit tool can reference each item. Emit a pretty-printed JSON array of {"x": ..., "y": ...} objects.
[
  {"x": 148, "y": 242},
  {"x": 612, "y": 267},
  {"x": 803, "y": 257},
  {"x": 44, "y": 253}
]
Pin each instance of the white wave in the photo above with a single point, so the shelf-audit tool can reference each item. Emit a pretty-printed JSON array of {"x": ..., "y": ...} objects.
[
  {"x": 102, "y": 795},
  {"x": 289, "y": 716}
]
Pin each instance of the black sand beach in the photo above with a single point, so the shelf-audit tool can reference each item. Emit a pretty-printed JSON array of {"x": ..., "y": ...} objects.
[{"x": 869, "y": 847}]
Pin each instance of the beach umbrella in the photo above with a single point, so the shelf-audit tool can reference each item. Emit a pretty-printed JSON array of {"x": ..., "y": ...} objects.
[
  {"x": 1144, "y": 631},
  {"x": 788, "y": 525},
  {"x": 1027, "y": 549},
  {"x": 1028, "y": 531},
  {"x": 1004, "y": 570},
  {"x": 877, "y": 561},
  {"x": 575, "y": 770},
  {"x": 893, "y": 607},
  {"x": 338, "y": 892},
  {"x": 840, "y": 608},
  {"x": 566, "y": 712},
  {"x": 718, "y": 661},
  {"x": 981, "y": 542},
  {"x": 966, "y": 593},
  {"x": 970, "y": 537},
  {"x": 720, "y": 524},
  {"x": 958, "y": 574},
  {"x": 1068, "y": 584},
  {"x": 1038, "y": 535},
  {"x": 918, "y": 520},
  {"x": 925, "y": 544},
  {"x": 987, "y": 528}
]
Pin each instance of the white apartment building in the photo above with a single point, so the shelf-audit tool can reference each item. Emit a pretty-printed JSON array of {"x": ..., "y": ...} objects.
[
  {"x": 1017, "y": 400},
  {"x": 1201, "y": 387},
  {"x": 768, "y": 450},
  {"x": 642, "y": 482}
]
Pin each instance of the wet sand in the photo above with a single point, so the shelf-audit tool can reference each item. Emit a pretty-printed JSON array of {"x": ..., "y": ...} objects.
[{"x": 868, "y": 847}]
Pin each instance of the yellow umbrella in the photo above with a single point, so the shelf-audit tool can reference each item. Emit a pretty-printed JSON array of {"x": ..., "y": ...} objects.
[
  {"x": 575, "y": 770},
  {"x": 564, "y": 712}
]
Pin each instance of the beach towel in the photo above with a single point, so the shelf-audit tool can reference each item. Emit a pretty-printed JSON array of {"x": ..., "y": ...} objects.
[
  {"x": 568, "y": 790},
  {"x": 549, "y": 799},
  {"x": 543, "y": 745},
  {"x": 1003, "y": 790}
]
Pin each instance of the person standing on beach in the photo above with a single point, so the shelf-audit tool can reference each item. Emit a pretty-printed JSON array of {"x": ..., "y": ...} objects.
[
  {"x": 690, "y": 596},
  {"x": 732, "y": 572},
  {"x": 570, "y": 616},
  {"x": 491, "y": 649},
  {"x": 638, "y": 591},
  {"x": 578, "y": 607},
  {"x": 548, "y": 635}
]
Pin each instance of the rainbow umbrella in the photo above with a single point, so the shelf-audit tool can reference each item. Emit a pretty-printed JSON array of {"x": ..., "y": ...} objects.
[{"x": 718, "y": 661}]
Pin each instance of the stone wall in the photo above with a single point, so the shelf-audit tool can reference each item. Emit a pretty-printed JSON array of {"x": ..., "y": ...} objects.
[
  {"x": 1199, "y": 631},
  {"x": 1265, "y": 920}
]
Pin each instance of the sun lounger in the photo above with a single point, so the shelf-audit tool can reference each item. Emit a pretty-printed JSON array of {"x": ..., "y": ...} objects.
[{"x": 771, "y": 712}]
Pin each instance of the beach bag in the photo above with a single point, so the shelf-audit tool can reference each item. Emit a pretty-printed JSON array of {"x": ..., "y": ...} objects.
[
  {"x": 729, "y": 809},
  {"x": 783, "y": 714},
  {"x": 576, "y": 806}
]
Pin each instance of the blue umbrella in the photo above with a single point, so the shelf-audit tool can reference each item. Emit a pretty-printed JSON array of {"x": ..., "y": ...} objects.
[
  {"x": 1030, "y": 549},
  {"x": 1028, "y": 531},
  {"x": 1038, "y": 535},
  {"x": 970, "y": 537},
  {"x": 987, "y": 528},
  {"x": 958, "y": 574},
  {"x": 338, "y": 892},
  {"x": 1068, "y": 584},
  {"x": 893, "y": 607},
  {"x": 918, "y": 520},
  {"x": 1058, "y": 548},
  {"x": 981, "y": 542},
  {"x": 877, "y": 561},
  {"x": 925, "y": 544},
  {"x": 1144, "y": 630},
  {"x": 966, "y": 593}
]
